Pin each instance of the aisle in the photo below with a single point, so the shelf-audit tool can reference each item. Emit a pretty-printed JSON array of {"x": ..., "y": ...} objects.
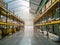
[{"x": 20, "y": 38}]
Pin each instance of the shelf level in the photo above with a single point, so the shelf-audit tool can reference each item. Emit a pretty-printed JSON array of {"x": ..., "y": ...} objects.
[
  {"x": 48, "y": 23},
  {"x": 5, "y": 12},
  {"x": 48, "y": 10}
]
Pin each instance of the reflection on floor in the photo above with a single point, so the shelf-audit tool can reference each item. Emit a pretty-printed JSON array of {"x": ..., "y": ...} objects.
[{"x": 20, "y": 38}]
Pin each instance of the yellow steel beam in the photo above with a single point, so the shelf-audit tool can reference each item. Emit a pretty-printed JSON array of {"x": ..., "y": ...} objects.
[
  {"x": 2, "y": 23},
  {"x": 9, "y": 24},
  {"x": 55, "y": 22},
  {"x": 37, "y": 25},
  {"x": 2, "y": 12},
  {"x": 2, "y": 8},
  {"x": 14, "y": 17},
  {"x": 48, "y": 23}
]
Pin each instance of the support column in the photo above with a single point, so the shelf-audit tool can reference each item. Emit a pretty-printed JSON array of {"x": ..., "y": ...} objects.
[
  {"x": 0, "y": 14},
  {"x": 6, "y": 25},
  {"x": 47, "y": 28},
  {"x": 13, "y": 27},
  {"x": 59, "y": 17}
]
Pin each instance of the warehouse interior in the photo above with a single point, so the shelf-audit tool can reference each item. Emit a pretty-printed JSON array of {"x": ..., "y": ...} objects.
[{"x": 29, "y": 22}]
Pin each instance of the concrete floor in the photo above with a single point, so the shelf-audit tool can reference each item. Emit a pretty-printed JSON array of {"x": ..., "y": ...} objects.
[{"x": 20, "y": 38}]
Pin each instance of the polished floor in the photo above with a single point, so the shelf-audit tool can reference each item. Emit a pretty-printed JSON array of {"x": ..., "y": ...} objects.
[{"x": 20, "y": 38}]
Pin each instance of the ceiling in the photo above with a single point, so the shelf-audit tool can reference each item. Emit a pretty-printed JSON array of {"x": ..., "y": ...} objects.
[
  {"x": 34, "y": 5},
  {"x": 14, "y": 4}
]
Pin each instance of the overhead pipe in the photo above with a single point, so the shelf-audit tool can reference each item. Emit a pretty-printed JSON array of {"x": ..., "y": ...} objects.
[{"x": 42, "y": 3}]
